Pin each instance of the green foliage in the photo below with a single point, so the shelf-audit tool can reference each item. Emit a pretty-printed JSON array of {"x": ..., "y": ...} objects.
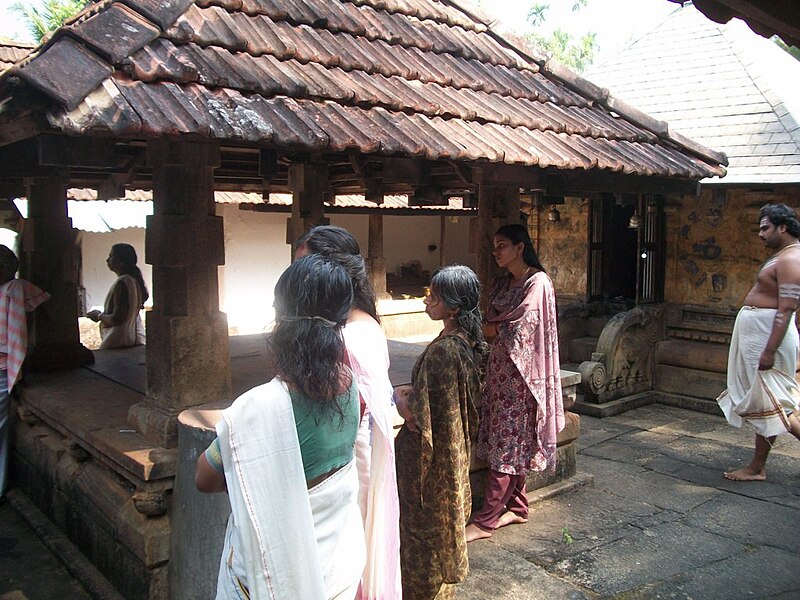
[
  {"x": 793, "y": 50},
  {"x": 537, "y": 14},
  {"x": 565, "y": 535},
  {"x": 49, "y": 16},
  {"x": 577, "y": 53}
]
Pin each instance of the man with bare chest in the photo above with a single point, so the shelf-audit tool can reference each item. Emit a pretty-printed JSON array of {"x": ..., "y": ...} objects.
[{"x": 762, "y": 389}]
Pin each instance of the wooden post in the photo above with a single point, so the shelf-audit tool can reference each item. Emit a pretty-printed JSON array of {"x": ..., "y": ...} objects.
[
  {"x": 50, "y": 259},
  {"x": 188, "y": 361},
  {"x": 309, "y": 184},
  {"x": 497, "y": 205},
  {"x": 376, "y": 263}
]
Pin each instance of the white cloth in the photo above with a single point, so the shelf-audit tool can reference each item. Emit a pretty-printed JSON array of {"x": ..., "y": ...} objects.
[
  {"x": 283, "y": 540},
  {"x": 761, "y": 398},
  {"x": 131, "y": 331},
  {"x": 368, "y": 356}
]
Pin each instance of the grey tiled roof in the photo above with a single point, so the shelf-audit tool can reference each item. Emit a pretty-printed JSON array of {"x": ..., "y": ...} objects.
[
  {"x": 721, "y": 85},
  {"x": 12, "y": 51}
]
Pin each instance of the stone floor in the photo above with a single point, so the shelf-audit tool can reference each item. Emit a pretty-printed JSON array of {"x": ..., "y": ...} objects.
[{"x": 659, "y": 522}]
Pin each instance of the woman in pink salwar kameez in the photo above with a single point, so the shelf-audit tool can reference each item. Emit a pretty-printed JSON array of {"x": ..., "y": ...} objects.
[{"x": 522, "y": 410}]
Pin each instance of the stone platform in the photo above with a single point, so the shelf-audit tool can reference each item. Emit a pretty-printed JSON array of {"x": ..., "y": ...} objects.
[{"x": 115, "y": 495}]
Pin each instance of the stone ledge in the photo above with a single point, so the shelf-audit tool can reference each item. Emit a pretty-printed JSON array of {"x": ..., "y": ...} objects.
[
  {"x": 615, "y": 407},
  {"x": 92, "y": 411}
]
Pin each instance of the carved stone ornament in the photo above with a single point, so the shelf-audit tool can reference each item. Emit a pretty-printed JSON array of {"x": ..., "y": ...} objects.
[
  {"x": 151, "y": 503},
  {"x": 593, "y": 377}
]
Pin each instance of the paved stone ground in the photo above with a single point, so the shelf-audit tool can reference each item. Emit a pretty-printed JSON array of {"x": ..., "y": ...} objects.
[
  {"x": 659, "y": 522},
  {"x": 28, "y": 570}
]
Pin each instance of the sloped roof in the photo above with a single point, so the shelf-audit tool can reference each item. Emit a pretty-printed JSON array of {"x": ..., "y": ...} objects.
[
  {"x": 767, "y": 18},
  {"x": 721, "y": 85},
  {"x": 413, "y": 78},
  {"x": 12, "y": 51}
]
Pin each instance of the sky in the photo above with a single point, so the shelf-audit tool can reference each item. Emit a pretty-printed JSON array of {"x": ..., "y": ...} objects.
[{"x": 616, "y": 22}]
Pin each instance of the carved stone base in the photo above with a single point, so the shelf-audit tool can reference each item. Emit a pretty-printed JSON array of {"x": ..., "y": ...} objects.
[
  {"x": 614, "y": 407},
  {"x": 156, "y": 422}
]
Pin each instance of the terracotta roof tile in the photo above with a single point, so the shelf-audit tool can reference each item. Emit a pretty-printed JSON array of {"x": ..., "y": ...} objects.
[{"x": 414, "y": 78}]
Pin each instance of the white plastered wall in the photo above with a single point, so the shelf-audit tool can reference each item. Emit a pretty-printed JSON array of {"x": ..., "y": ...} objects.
[{"x": 256, "y": 253}]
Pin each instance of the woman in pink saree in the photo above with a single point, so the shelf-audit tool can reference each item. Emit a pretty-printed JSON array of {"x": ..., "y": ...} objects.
[{"x": 522, "y": 410}]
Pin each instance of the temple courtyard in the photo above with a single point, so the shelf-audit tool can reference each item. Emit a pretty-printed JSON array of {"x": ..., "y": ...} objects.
[{"x": 648, "y": 516}]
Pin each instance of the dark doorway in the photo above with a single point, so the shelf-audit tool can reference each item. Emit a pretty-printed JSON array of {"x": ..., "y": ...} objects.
[{"x": 626, "y": 249}]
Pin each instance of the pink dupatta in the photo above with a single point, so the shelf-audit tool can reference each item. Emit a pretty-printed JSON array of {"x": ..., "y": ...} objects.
[
  {"x": 368, "y": 357},
  {"x": 531, "y": 335}
]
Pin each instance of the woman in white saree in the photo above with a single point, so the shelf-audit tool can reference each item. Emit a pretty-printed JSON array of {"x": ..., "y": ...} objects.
[{"x": 284, "y": 452}]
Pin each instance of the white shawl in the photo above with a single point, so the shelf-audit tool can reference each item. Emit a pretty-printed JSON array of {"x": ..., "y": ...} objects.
[{"x": 290, "y": 542}]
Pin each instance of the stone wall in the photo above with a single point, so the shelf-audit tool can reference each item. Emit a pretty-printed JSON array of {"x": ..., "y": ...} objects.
[
  {"x": 713, "y": 251},
  {"x": 563, "y": 246}
]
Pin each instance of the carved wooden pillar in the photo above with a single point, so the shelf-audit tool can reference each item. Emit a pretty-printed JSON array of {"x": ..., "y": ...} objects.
[
  {"x": 50, "y": 259},
  {"x": 496, "y": 206},
  {"x": 188, "y": 361},
  {"x": 309, "y": 184},
  {"x": 376, "y": 263}
]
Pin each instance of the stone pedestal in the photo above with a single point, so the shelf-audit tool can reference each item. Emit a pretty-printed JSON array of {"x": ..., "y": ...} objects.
[
  {"x": 50, "y": 259},
  {"x": 188, "y": 360},
  {"x": 197, "y": 520}
]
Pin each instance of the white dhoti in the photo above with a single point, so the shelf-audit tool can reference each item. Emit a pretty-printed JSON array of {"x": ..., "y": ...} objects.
[
  {"x": 762, "y": 398},
  {"x": 283, "y": 540}
]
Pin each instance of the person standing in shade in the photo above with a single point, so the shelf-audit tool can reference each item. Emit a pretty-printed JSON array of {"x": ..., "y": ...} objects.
[
  {"x": 284, "y": 453},
  {"x": 433, "y": 446},
  {"x": 120, "y": 323},
  {"x": 17, "y": 297},
  {"x": 368, "y": 356},
  {"x": 522, "y": 410},
  {"x": 762, "y": 362}
]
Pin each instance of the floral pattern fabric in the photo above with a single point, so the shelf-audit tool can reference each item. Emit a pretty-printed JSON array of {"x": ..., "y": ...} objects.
[
  {"x": 433, "y": 470},
  {"x": 522, "y": 410}
]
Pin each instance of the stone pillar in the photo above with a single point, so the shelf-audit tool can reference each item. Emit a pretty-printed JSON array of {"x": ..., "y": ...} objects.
[
  {"x": 188, "y": 361},
  {"x": 50, "y": 259},
  {"x": 376, "y": 263},
  {"x": 309, "y": 184}
]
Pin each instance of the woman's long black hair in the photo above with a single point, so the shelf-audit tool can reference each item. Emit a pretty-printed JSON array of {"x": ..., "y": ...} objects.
[
  {"x": 126, "y": 255},
  {"x": 340, "y": 245},
  {"x": 457, "y": 287},
  {"x": 517, "y": 233},
  {"x": 312, "y": 301}
]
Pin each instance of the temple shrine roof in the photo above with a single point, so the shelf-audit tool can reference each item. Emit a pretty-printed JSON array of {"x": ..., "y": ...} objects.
[{"x": 423, "y": 79}]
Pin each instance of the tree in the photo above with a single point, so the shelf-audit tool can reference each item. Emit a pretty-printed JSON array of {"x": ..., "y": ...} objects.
[
  {"x": 793, "y": 50},
  {"x": 565, "y": 48},
  {"x": 49, "y": 16}
]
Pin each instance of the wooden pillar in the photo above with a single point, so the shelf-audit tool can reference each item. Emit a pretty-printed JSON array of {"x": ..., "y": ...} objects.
[
  {"x": 50, "y": 259},
  {"x": 497, "y": 205},
  {"x": 188, "y": 362},
  {"x": 376, "y": 263},
  {"x": 309, "y": 184}
]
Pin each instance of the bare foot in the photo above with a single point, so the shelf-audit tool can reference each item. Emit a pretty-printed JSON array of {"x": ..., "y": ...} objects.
[
  {"x": 510, "y": 518},
  {"x": 746, "y": 474},
  {"x": 476, "y": 533}
]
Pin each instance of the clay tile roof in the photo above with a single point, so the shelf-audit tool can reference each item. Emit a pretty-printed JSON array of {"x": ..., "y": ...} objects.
[
  {"x": 13, "y": 51},
  {"x": 721, "y": 85},
  {"x": 414, "y": 78}
]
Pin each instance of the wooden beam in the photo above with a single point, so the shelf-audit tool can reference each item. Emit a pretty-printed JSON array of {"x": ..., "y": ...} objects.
[{"x": 62, "y": 151}]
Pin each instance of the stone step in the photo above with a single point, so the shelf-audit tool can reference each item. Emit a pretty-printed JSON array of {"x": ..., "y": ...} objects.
[
  {"x": 581, "y": 349},
  {"x": 595, "y": 325}
]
